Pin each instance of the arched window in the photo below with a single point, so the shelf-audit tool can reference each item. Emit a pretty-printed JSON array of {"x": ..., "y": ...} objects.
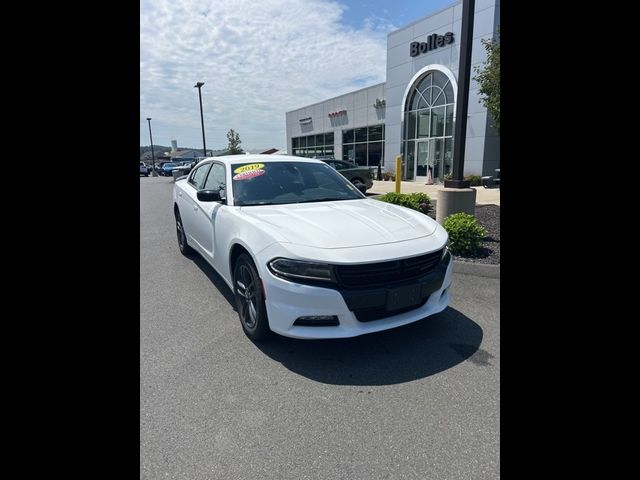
[{"x": 428, "y": 128}]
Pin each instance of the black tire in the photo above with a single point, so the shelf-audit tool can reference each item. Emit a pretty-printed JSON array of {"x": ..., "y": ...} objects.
[
  {"x": 362, "y": 188},
  {"x": 183, "y": 245},
  {"x": 247, "y": 288}
]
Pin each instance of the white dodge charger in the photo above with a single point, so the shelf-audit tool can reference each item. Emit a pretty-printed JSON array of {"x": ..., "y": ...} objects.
[{"x": 305, "y": 253}]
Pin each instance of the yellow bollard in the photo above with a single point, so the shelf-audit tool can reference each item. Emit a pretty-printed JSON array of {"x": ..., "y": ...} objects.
[{"x": 398, "y": 172}]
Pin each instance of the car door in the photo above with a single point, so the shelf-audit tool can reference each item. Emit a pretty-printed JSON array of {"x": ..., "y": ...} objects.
[
  {"x": 205, "y": 214},
  {"x": 188, "y": 201},
  {"x": 344, "y": 168}
]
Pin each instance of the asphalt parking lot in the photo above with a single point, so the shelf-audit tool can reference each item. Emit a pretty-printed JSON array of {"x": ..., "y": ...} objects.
[{"x": 421, "y": 401}]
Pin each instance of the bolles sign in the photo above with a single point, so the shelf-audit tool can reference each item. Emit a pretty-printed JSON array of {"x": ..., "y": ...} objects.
[
  {"x": 337, "y": 114},
  {"x": 434, "y": 41}
]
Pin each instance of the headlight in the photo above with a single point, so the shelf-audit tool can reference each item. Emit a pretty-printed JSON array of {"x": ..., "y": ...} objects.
[
  {"x": 445, "y": 250},
  {"x": 296, "y": 269}
]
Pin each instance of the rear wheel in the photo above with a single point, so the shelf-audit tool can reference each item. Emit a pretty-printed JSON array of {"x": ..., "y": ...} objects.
[
  {"x": 247, "y": 287},
  {"x": 185, "y": 249},
  {"x": 359, "y": 184}
]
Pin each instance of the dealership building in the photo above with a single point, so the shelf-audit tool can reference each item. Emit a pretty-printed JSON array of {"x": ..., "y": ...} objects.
[{"x": 413, "y": 113}]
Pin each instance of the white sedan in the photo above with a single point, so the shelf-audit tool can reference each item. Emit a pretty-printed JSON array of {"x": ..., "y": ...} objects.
[{"x": 305, "y": 253}]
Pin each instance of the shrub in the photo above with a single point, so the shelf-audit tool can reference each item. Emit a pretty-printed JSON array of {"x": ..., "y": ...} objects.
[
  {"x": 474, "y": 180},
  {"x": 388, "y": 176},
  {"x": 465, "y": 235},
  {"x": 415, "y": 201}
]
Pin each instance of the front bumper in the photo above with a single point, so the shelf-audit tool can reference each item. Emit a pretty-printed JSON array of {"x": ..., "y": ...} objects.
[{"x": 359, "y": 311}]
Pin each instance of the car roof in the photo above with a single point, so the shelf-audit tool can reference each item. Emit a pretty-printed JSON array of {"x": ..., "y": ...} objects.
[{"x": 260, "y": 158}]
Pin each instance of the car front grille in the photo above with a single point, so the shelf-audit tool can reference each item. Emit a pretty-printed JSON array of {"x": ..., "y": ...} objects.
[
  {"x": 386, "y": 273},
  {"x": 371, "y": 314}
]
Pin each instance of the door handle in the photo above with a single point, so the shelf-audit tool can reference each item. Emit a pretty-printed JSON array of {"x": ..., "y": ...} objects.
[
  {"x": 179, "y": 194},
  {"x": 195, "y": 208}
]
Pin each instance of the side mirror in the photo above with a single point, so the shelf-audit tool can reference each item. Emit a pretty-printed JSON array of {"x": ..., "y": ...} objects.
[{"x": 209, "y": 196}]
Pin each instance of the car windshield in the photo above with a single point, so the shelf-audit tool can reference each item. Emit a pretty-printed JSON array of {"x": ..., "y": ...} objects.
[{"x": 272, "y": 183}]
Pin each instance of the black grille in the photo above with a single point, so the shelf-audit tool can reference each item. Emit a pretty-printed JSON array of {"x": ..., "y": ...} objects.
[
  {"x": 385, "y": 273},
  {"x": 371, "y": 314}
]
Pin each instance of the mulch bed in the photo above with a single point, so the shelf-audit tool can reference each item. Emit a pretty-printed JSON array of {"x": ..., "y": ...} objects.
[{"x": 489, "y": 217}]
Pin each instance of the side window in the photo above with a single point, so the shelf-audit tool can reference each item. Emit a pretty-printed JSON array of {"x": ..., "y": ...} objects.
[
  {"x": 216, "y": 180},
  {"x": 340, "y": 166},
  {"x": 198, "y": 175}
]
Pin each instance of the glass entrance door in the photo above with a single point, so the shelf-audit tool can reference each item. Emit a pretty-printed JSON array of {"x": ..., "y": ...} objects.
[
  {"x": 410, "y": 161},
  {"x": 423, "y": 158},
  {"x": 436, "y": 159}
]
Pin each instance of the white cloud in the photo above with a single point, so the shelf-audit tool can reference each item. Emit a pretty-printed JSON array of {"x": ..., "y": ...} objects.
[{"x": 257, "y": 59}]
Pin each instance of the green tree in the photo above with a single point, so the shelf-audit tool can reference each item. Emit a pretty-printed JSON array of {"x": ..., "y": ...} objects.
[
  {"x": 489, "y": 80},
  {"x": 234, "y": 142}
]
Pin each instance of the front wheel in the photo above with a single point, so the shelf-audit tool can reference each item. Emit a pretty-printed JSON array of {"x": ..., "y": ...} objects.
[
  {"x": 247, "y": 287},
  {"x": 185, "y": 249}
]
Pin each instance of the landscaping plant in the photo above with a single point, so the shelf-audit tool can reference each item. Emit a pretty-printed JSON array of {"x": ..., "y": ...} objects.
[{"x": 465, "y": 235}]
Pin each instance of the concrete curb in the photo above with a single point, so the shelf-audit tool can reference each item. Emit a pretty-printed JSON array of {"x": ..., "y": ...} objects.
[{"x": 478, "y": 269}]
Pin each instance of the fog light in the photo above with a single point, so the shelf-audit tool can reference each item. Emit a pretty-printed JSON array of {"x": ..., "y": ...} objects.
[{"x": 317, "y": 321}]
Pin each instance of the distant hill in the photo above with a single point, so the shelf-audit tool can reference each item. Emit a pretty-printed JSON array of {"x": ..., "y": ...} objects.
[{"x": 161, "y": 148}]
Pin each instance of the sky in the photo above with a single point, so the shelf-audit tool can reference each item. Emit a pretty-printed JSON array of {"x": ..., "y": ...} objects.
[{"x": 258, "y": 60}]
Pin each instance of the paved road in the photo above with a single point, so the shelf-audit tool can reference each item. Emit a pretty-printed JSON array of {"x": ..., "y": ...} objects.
[{"x": 421, "y": 401}]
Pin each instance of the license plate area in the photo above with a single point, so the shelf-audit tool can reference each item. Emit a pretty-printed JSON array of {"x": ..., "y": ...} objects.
[{"x": 403, "y": 297}]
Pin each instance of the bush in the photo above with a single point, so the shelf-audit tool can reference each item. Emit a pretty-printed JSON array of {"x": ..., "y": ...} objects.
[
  {"x": 475, "y": 180},
  {"x": 465, "y": 235},
  {"x": 388, "y": 176},
  {"x": 415, "y": 201}
]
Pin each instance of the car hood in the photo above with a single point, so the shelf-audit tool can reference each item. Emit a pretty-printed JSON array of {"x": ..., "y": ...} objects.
[{"x": 341, "y": 224}]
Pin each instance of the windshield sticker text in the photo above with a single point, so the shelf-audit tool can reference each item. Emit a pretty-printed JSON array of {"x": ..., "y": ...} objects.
[
  {"x": 248, "y": 168},
  {"x": 248, "y": 174}
]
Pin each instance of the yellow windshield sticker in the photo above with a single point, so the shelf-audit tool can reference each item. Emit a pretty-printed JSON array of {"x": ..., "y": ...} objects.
[{"x": 248, "y": 168}]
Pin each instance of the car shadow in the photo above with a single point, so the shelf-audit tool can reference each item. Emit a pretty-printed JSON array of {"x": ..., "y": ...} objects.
[
  {"x": 402, "y": 354},
  {"x": 399, "y": 355}
]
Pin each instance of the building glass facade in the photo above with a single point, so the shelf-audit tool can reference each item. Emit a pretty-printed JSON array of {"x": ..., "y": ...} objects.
[
  {"x": 412, "y": 113},
  {"x": 364, "y": 146},
  {"x": 428, "y": 122},
  {"x": 310, "y": 146}
]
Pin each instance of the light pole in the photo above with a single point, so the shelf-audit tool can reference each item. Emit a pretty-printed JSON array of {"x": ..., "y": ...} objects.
[
  {"x": 204, "y": 143},
  {"x": 457, "y": 195},
  {"x": 153, "y": 157}
]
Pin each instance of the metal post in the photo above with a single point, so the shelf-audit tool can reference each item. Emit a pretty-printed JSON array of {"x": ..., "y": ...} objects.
[
  {"x": 398, "y": 172},
  {"x": 153, "y": 157},
  {"x": 204, "y": 143},
  {"x": 464, "y": 70}
]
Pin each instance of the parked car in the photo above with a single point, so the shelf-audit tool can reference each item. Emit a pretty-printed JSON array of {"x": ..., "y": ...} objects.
[
  {"x": 167, "y": 168},
  {"x": 305, "y": 253},
  {"x": 359, "y": 176},
  {"x": 143, "y": 169},
  {"x": 185, "y": 166}
]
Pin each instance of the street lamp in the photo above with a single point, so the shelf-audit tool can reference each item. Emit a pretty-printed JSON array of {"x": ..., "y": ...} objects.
[
  {"x": 153, "y": 157},
  {"x": 204, "y": 143}
]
